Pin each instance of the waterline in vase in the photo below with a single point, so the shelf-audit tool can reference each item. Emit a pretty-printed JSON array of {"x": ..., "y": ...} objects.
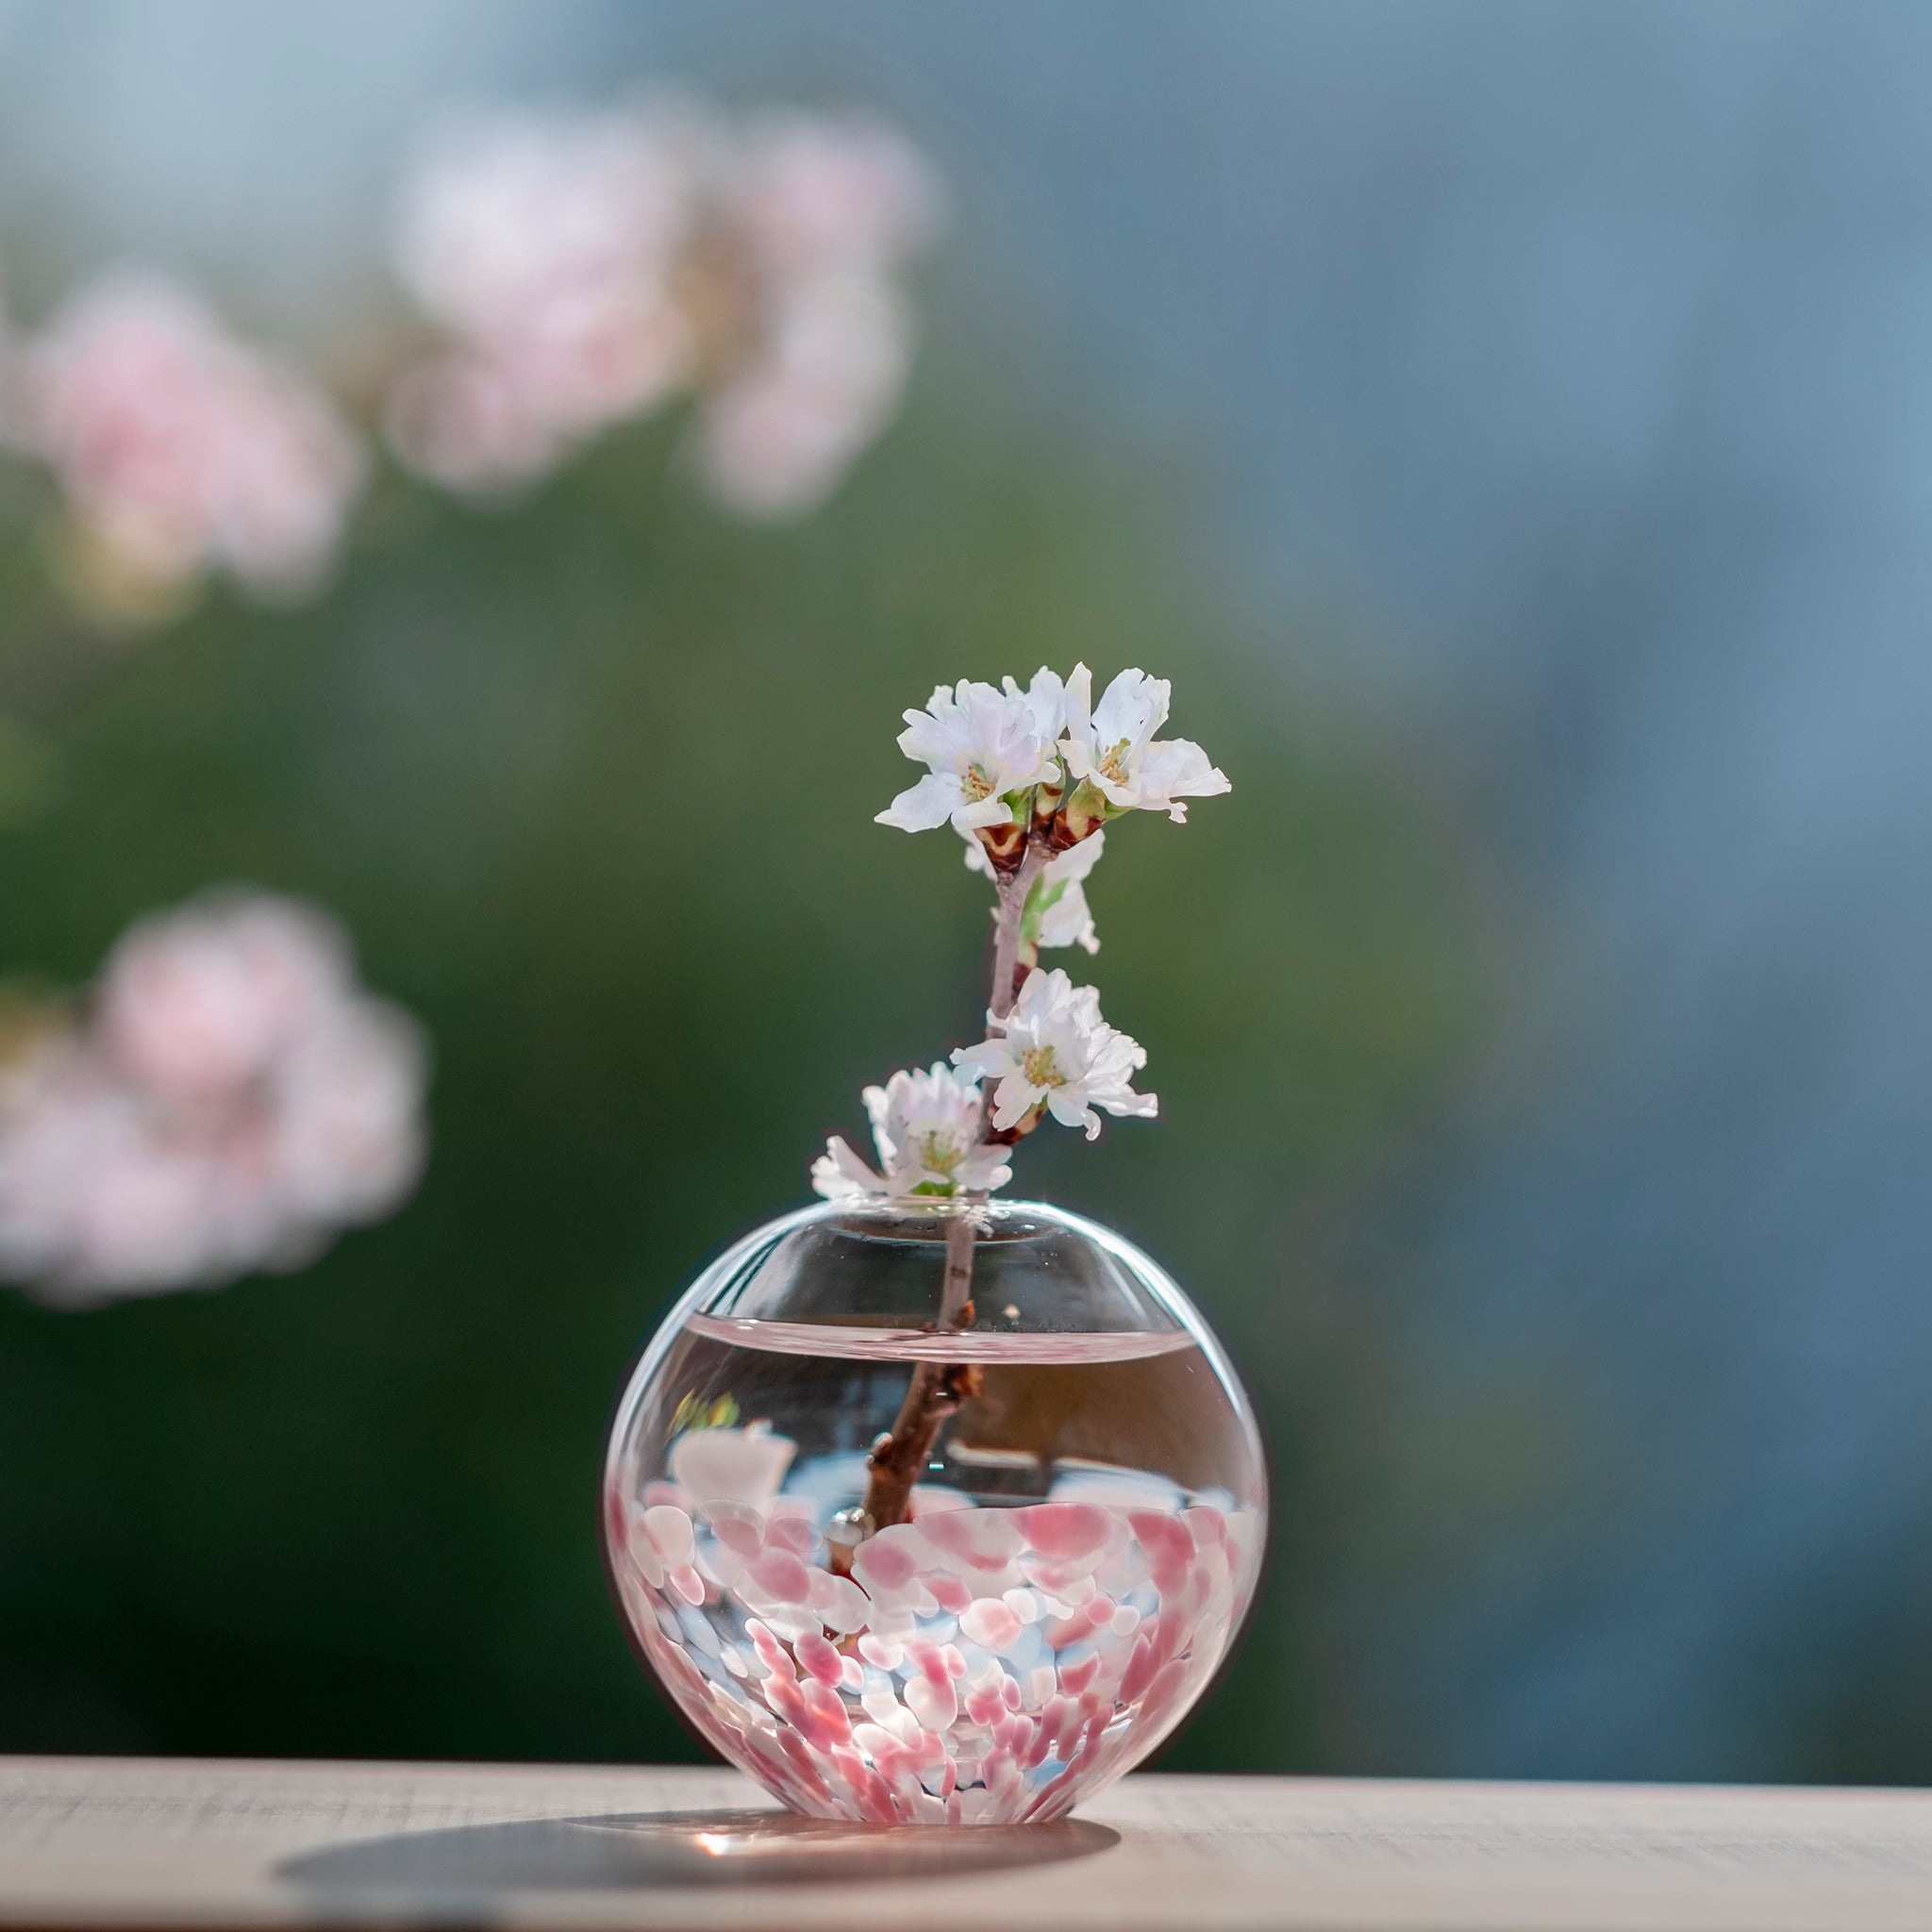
[{"x": 849, "y": 1342}]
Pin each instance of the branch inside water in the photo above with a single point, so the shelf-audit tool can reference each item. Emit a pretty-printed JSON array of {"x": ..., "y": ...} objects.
[{"x": 938, "y": 1389}]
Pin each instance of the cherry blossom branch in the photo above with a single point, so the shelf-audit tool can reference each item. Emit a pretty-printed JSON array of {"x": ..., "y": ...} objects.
[
  {"x": 1005, "y": 946},
  {"x": 1029, "y": 778},
  {"x": 1013, "y": 890},
  {"x": 938, "y": 1389}
]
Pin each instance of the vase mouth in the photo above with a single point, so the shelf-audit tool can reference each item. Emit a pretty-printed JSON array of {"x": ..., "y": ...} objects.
[
  {"x": 885, "y": 1265},
  {"x": 932, "y": 1216}
]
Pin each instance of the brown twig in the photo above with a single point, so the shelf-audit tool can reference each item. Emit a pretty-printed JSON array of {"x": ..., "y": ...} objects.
[
  {"x": 1006, "y": 944},
  {"x": 935, "y": 1390},
  {"x": 938, "y": 1389}
]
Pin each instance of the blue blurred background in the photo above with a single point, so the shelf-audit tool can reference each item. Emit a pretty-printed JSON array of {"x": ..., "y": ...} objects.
[{"x": 1510, "y": 426}]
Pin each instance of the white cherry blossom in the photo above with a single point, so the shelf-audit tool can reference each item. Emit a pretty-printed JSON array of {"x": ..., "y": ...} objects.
[
  {"x": 981, "y": 745},
  {"x": 926, "y": 1129},
  {"x": 1057, "y": 1052},
  {"x": 1112, "y": 745},
  {"x": 1056, "y": 911}
]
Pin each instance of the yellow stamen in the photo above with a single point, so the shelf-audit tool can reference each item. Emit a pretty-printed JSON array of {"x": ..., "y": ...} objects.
[{"x": 1038, "y": 1068}]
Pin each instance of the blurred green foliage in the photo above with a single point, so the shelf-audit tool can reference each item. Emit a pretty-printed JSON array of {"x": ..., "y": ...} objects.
[{"x": 590, "y": 779}]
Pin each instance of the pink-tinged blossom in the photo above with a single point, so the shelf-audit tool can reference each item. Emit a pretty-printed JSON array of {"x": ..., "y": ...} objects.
[
  {"x": 584, "y": 269},
  {"x": 1112, "y": 745},
  {"x": 813, "y": 193},
  {"x": 981, "y": 746},
  {"x": 927, "y": 1129},
  {"x": 821, "y": 215},
  {"x": 233, "y": 1099},
  {"x": 546, "y": 249},
  {"x": 178, "y": 448},
  {"x": 348, "y": 1128},
  {"x": 775, "y": 439},
  {"x": 1058, "y": 1053},
  {"x": 194, "y": 1004}
]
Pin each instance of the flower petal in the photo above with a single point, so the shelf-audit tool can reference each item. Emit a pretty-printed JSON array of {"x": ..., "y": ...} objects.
[
  {"x": 839, "y": 1174},
  {"x": 1014, "y": 1099},
  {"x": 1176, "y": 768},
  {"x": 1134, "y": 707},
  {"x": 988, "y": 1056},
  {"x": 967, "y": 818},
  {"x": 984, "y": 1170},
  {"x": 923, "y": 807}
]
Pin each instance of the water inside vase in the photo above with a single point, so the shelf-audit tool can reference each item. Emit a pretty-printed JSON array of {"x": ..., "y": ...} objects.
[{"x": 1081, "y": 1542}]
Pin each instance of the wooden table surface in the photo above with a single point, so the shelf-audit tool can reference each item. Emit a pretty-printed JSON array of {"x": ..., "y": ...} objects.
[{"x": 124, "y": 1844}]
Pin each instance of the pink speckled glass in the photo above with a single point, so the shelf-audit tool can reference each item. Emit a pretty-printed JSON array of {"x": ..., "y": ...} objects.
[{"x": 1081, "y": 1544}]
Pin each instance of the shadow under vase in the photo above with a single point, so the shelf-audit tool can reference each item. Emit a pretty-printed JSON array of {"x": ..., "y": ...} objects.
[{"x": 440, "y": 1874}]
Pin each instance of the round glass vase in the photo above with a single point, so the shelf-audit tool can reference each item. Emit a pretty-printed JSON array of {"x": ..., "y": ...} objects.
[{"x": 933, "y": 1512}]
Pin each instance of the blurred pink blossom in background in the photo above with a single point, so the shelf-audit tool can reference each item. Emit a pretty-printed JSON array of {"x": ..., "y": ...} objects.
[
  {"x": 825, "y": 213},
  {"x": 179, "y": 449},
  {"x": 232, "y": 1100},
  {"x": 585, "y": 269},
  {"x": 544, "y": 246}
]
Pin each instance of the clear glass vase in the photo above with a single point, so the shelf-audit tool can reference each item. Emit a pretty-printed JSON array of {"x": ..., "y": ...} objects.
[{"x": 930, "y": 1513}]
